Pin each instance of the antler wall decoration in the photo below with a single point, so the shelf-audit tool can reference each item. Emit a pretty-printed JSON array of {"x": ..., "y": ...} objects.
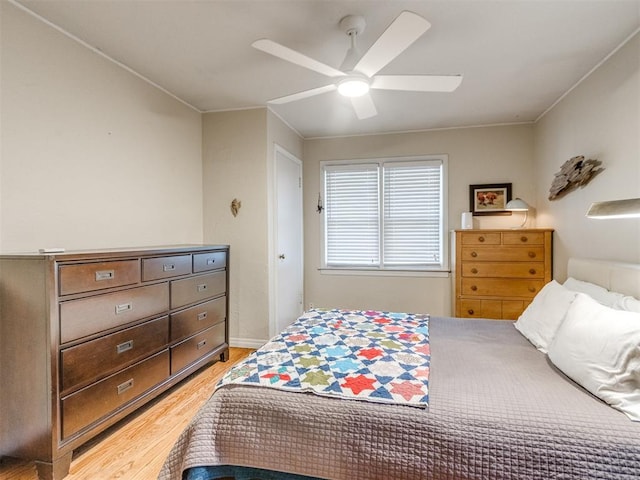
[{"x": 575, "y": 172}]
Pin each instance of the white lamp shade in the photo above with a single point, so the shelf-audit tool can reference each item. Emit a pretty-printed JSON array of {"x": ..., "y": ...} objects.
[{"x": 517, "y": 205}]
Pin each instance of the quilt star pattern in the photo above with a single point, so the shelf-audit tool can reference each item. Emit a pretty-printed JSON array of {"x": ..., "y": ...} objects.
[{"x": 362, "y": 355}]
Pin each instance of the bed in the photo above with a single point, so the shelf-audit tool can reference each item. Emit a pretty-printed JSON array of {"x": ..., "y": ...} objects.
[{"x": 498, "y": 407}]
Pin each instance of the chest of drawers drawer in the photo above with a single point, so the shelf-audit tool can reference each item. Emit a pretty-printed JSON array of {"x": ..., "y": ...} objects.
[
  {"x": 87, "y": 316},
  {"x": 90, "y": 361},
  {"x": 194, "y": 347},
  {"x": 203, "y": 262},
  {"x": 191, "y": 320},
  {"x": 504, "y": 254},
  {"x": 196, "y": 289},
  {"x": 97, "y": 400},
  {"x": 503, "y": 269},
  {"x": 92, "y": 276},
  {"x": 508, "y": 287},
  {"x": 165, "y": 267}
]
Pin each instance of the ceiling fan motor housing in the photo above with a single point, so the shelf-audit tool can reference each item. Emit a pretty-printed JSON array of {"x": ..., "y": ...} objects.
[{"x": 353, "y": 24}]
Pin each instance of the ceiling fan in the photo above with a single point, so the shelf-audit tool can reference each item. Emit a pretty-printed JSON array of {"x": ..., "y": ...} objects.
[{"x": 357, "y": 74}]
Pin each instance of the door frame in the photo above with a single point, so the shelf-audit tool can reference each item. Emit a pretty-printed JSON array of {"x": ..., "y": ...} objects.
[{"x": 273, "y": 257}]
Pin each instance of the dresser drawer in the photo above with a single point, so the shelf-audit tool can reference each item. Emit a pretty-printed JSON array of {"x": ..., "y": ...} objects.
[
  {"x": 496, "y": 309},
  {"x": 94, "y": 402},
  {"x": 93, "y": 360},
  {"x": 504, "y": 270},
  {"x": 195, "y": 289},
  {"x": 86, "y": 316},
  {"x": 192, "y": 320},
  {"x": 523, "y": 238},
  {"x": 480, "y": 308},
  {"x": 501, "y": 287},
  {"x": 480, "y": 238},
  {"x": 165, "y": 267},
  {"x": 503, "y": 254},
  {"x": 199, "y": 345},
  {"x": 203, "y": 262},
  {"x": 89, "y": 277}
]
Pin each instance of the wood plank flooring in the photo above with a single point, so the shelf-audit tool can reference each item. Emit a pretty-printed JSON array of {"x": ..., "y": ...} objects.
[{"x": 136, "y": 447}]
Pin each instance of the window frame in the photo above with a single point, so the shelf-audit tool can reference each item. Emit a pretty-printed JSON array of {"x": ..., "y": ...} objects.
[{"x": 437, "y": 270}]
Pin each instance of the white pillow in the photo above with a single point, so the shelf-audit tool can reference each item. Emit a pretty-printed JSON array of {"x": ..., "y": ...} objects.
[
  {"x": 540, "y": 320},
  {"x": 627, "y": 303},
  {"x": 599, "y": 348},
  {"x": 598, "y": 293}
]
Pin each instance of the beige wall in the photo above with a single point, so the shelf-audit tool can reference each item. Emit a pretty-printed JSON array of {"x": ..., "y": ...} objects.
[
  {"x": 235, "y": 166},
  {"x": 600, "y": 119},
  {"x": 476, "y": 155},
  {"x": 91, "y": 155}
]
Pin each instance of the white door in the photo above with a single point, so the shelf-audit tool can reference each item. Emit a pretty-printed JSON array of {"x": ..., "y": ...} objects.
[{"x": 288, "y": 227}]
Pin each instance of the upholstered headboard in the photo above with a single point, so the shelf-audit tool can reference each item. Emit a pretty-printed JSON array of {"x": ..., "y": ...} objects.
[{"x": 615, "y": 276}]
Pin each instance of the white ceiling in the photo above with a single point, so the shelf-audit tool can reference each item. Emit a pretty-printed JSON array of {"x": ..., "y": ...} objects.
[{"x": 518, "y": 57}]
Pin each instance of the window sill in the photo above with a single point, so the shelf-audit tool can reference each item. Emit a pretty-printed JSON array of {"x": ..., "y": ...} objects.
[{"x": 384, "y": 273}]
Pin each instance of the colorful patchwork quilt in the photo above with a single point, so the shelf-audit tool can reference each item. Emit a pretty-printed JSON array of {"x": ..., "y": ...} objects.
[{"x": 361, "y": 355}]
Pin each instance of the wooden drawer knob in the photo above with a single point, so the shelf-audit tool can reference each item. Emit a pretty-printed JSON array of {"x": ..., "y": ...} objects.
[
  {"x": 470, "y": 311},
  {"x": 474, "y": 254},
  {"x": 474, "y": 270},
  {"x": 532, "y": 254},
  {"x": 474, "y": 288},
  {"x": 532, "y": 289},
  {"x": 481, "y": 239},
  {"x": 532, "y": 271},
  {"x": 523, "y": 238}
]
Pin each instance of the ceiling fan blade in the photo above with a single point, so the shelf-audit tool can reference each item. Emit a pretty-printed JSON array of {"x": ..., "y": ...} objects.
[
  {"x": 417, "y": 83},
  {"x": 304, "y": 94},
  {"x": 404, "y": 30},
  {"x": 364, "y": 106},
  {"x": 285, "y": 53}
]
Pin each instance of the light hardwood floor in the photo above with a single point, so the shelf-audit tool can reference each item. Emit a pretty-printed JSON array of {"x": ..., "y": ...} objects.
[{"x": 135, "y": 448}]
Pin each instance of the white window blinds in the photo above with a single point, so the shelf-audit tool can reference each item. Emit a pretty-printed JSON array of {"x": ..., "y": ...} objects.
[
  {"x": 412, "y": 214},
  {"x": 384, "y": 215},
  {"x": 352, "y": 226}
]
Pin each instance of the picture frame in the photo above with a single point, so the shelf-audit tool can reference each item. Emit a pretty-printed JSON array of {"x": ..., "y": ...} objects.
[{"x": 489, "y": 198}]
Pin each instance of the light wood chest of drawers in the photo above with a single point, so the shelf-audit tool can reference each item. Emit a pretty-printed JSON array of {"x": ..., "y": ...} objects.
[
  {"x": 88, "y": 337},
  {"x": 498, "y": 272}
]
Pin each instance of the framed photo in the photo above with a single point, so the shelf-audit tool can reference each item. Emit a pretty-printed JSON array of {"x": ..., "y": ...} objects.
[{"x": 489, "y": 199}]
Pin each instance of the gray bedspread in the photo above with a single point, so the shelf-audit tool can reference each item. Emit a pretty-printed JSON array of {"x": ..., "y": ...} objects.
[{"x": 498, "y": 409}]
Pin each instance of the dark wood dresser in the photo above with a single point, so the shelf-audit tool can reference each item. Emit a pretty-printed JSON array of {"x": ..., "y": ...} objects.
[
  {"x": 87, "y": 337},
  {"x": 498, "y": 272}
]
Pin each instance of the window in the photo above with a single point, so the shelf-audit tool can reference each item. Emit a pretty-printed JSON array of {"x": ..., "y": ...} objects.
[{"x": 385, "y": 214}]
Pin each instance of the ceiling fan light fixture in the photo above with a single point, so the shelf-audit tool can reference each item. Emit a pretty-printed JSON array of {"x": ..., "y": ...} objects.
[{"x": 353, "y": 87}]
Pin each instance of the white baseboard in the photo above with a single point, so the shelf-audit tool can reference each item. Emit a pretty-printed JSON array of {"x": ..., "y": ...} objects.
[{"x": 246, "y": 342}]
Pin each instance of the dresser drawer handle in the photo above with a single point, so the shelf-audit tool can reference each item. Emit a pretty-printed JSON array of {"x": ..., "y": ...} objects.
[
  {"x": 532, "y": 271},
  {"x": 211, "y": 261},
  {"x": 474, "y": 288},
  {"x": 123, "y": 387},
  {"x": 470, "y": 311},
  {"x": 474, "y": 270},
  {"x": 123, "y": 347},
  {"x": 105, "y": 275},
  {"x": 124, "y": 307},
  {"x": 481, "y": 239},
  {"x": 474, "y": 254},
  {"x": 168, "y": 267},
  {"x": 202, "y": 287},
  {"x": 524, "y": 239},
  {"x": 201, "y": 344},
  {"x": 532, "y": 289},
  {"x": 202, "y": 315},
  {"x": 532, "y": 254}
]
